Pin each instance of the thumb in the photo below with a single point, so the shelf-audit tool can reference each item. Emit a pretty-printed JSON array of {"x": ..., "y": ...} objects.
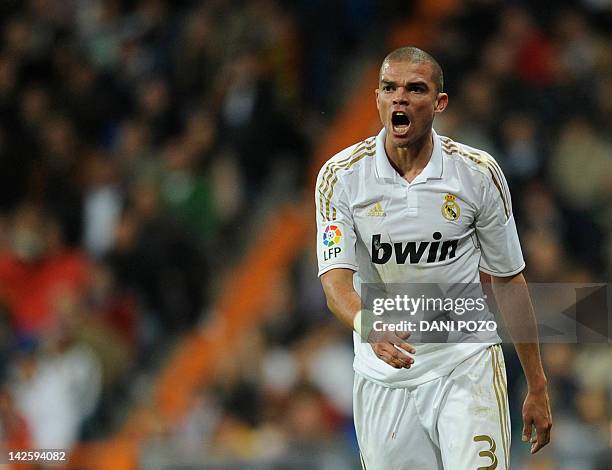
[{"x": 526, "y": 431}]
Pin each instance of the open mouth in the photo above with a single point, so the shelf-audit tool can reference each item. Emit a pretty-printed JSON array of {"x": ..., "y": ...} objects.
[{"x": 400, "y": 123}]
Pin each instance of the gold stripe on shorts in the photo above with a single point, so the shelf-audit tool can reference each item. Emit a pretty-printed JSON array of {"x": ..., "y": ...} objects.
[
  {"x": 362, "y": 461},
  {"x": 500, "y": 395}
]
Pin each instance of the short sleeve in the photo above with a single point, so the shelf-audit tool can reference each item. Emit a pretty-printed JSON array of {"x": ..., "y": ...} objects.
[
  {"x": 501, "y": 253},
  {"x": 336, "y": 237}
]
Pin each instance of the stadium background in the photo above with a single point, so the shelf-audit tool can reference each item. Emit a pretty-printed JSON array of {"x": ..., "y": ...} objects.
[{"x": 159, "y": 305}]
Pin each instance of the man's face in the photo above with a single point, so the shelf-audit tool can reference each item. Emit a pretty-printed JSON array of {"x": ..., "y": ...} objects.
[{"x": 407, "y": 100}]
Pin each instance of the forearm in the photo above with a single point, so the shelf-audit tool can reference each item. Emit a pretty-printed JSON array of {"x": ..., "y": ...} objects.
[
  {"x": 514, "y": 303},
  {"x": 345, "y": 304},
  {"x": 342, "y": 299}
]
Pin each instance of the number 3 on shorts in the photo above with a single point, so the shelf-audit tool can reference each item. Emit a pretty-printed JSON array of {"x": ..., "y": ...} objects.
[{"x": 489, "y": 453}]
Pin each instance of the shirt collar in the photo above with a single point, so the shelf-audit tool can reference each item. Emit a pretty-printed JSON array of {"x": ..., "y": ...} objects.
[{"x": 433, "y": 169}]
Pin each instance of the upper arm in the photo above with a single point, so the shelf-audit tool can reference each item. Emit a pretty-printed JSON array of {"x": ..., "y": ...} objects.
[
  {"x": 513, "y": 279},
  {"x": 495, "y": 226},
  {"x": 336, "y": 237}
]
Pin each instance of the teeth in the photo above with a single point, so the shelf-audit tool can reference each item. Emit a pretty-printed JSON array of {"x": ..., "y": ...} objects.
[
  {"x": 399, "y": 119},
  {"x": 400, "y": 123}
]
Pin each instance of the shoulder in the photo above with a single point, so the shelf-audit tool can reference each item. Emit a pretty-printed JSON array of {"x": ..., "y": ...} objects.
[
  {"x": 474, "y": 161},
  {"x": 350, "y": 158},
  {"x": 470, "y": 159}
]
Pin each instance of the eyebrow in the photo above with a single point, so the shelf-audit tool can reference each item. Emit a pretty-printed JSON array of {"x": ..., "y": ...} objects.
[{"x": 416, "y": 82}]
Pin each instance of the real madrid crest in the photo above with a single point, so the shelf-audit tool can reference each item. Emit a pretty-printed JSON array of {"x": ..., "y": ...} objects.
[{"x": 450, "y": 208}]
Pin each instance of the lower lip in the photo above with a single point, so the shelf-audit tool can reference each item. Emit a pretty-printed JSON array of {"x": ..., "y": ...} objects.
[{"x": 402, "y": 135}]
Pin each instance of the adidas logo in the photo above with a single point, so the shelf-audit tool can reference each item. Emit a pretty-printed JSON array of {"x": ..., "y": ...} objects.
[{"x": 376, "y": 211}]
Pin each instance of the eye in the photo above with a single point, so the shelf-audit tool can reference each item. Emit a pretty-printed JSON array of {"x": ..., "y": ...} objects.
[
  {"x": 387, "y": 88},
  {"x": 416, "y": 88}
]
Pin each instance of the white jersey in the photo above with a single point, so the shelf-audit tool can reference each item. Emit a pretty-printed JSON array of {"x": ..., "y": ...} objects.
[{"x": 454, "y": 219}]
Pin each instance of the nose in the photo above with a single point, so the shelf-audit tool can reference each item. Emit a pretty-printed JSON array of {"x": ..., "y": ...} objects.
[{"x": 401, "y": 96}]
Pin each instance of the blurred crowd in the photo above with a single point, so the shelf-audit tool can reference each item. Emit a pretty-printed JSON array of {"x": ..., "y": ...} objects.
[{"x": 141, "y": 143}]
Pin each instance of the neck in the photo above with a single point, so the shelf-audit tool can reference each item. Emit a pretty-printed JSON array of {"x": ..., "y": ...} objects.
[{"x": 410, "y": 161}]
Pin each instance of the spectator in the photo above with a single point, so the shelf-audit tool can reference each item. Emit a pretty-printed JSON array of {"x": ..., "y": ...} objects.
[
  {"x": 161, "y": 262},
  {"x": 36, "y": 266},
  {"x": 56, "y": 390}
]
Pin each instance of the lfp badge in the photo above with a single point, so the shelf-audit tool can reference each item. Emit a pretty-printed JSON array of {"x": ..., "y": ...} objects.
[
  {"x": 332, "y": 235},
  {"x": 331, "y": 239}
]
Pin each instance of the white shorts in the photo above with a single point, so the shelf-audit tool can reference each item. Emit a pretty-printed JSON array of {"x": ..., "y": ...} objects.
[{"x": 456, "y": 422}]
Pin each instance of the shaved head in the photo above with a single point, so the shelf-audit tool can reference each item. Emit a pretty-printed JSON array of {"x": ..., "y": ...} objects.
[{"x": 414, "y": 55}]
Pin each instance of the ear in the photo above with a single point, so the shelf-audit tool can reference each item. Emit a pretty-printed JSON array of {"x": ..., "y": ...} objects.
[{"x": 441, "y": 102}]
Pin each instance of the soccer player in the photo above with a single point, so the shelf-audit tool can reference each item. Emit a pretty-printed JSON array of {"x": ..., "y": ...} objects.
[{"x": 410, "y": 206}]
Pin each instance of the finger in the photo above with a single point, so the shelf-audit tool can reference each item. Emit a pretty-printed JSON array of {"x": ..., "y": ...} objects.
[
  {"x": 398, "y": 359},
  {"x": 542, "y": 438},
  {"x": 403, "y": 355},
  {"x": 399, "y": 354},
  {"x": 527, "y": 430},
  {"x": 398, "y": 363},
  {"x": 407, "y": 361},
  {"x": 386, "y": 357},
  {"x": 409, "y": 348},
  {"x": 540, "y": 441},
  {"x": 536, "y": 446}
]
